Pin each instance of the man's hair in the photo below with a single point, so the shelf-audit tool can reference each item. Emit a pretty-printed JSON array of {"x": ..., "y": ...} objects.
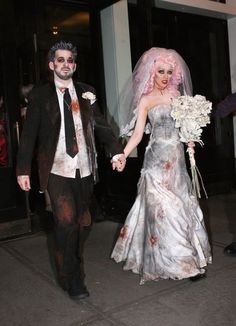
[{"x": 62, "y": 45}]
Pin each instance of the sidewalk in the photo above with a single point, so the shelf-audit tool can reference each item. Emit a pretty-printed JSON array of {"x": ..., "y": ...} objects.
[{"x": 30, "y": 296}]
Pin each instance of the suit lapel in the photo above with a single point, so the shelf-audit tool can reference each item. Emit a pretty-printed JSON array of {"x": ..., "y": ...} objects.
[
  {"x": 52, "y": 104},
  {"x": 85, "y": 109},
  {"x": 53, "y": 109}
]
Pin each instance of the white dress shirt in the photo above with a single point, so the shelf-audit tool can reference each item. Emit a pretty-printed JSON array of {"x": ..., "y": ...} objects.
[{"x": 64, "y": 165}]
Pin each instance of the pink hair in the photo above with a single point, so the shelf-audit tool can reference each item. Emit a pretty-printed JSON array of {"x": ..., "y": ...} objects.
[
  {"x": 141, "y": 82},
  {"x": 176, "y": 78}
]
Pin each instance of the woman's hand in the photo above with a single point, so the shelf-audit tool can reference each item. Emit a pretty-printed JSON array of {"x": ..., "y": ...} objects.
[
  {"x": 191, "y": 145},
  {"x": 118, "y": 162}
]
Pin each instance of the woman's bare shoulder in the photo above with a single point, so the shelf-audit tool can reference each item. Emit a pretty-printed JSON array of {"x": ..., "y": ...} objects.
[
  {"x": 174, "y": 93},
  {"x": 149, "y": 101}
]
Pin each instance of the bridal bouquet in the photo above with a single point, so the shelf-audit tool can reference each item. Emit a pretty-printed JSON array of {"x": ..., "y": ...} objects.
[{"x": 191, "y": 113}]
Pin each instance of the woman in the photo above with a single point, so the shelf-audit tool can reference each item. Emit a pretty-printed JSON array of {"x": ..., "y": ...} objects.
[{"x": 164, "y": 234}]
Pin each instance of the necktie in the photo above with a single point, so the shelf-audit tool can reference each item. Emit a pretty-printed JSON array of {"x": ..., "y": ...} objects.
[{"x": 71, "y": 142}]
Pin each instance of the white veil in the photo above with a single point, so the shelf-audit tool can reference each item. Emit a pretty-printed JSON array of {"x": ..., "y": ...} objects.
[{"x": 136, "y": 85}]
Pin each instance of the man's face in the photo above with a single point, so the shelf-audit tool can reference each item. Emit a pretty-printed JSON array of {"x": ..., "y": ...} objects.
[{"x": 63, "y": 64}]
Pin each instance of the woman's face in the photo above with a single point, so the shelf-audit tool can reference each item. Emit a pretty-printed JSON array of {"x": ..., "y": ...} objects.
[{"x": 163, "y": 75}]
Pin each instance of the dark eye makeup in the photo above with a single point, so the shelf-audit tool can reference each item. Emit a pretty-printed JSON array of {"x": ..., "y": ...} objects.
[
  {"x": 161, "y": 71},
  {"x": 62, "y": 60}
]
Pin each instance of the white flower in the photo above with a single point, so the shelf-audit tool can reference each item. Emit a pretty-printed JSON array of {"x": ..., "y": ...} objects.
[
  {"x": 89, "y": 96},
  {"x": 191, "y": 113}
]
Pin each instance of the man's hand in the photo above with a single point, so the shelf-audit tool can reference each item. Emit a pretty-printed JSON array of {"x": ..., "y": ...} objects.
[
  {"x": 118, "y": 162},
  {"x": 24, "y": 182}
]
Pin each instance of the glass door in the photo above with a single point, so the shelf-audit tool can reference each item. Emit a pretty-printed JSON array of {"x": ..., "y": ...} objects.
[{"x": 14, "y": 208}]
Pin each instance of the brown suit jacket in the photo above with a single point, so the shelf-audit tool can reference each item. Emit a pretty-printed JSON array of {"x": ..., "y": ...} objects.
[{"x": 42, "y": 126}]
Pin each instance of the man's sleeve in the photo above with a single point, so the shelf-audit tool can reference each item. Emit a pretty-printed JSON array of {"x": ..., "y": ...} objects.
[
  {"x": 28, "y": 138},
  {"x": 225, "y": 107}
]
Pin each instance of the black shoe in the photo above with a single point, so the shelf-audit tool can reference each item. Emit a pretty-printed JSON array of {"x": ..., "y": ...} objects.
[
  {"x": 197, "y": 277},
  {"x": 78, "y": 294},
  {"x": 77, "y": 290},
  {"x": 230, "y": 250}
]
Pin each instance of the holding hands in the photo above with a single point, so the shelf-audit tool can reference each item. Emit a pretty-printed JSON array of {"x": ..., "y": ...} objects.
[{"x": 118, "y": 162}]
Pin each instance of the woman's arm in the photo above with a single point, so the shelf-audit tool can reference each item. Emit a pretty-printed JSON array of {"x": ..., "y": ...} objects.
[{"x": 139, "y": 128}]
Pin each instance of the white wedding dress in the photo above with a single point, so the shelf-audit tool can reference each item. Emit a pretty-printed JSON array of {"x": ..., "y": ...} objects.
[{"x": 164, "y": 235}]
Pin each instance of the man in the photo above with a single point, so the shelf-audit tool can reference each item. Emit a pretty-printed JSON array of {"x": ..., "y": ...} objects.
[
  {"x": 223, "y": 109},
  {"x": 63, "y": 116}
]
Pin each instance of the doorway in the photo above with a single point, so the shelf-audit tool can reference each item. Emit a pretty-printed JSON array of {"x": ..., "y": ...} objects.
[{"x": 203, "y": 43}]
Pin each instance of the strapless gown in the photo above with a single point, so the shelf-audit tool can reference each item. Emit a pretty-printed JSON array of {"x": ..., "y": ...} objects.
[{"x": 164, "y": 234}]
